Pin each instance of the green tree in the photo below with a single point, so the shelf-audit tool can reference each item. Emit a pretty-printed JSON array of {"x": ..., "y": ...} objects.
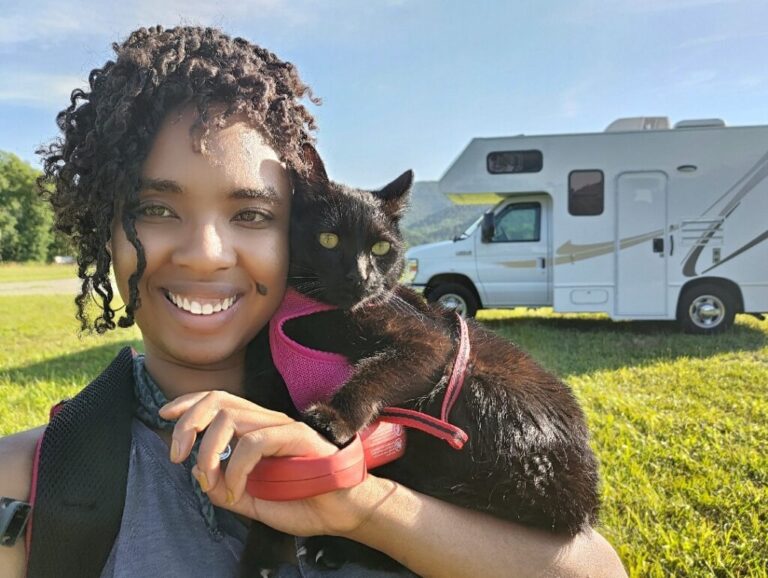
[{"x": 25, "y": 218}]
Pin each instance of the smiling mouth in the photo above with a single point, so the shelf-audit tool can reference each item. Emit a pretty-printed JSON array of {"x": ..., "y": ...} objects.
[{"x": 199, "y": 305}]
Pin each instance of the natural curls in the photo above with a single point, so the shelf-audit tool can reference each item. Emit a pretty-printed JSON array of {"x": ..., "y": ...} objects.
[{"x": 93, "y": 170}]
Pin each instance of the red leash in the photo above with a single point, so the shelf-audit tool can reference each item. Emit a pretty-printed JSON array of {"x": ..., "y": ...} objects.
[{"x": 440, "y": 428}]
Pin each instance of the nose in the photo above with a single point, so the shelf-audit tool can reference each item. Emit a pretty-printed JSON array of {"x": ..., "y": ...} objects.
[
  {"x": 206, "y": 248},
  {"x": 359, "y": 274}
]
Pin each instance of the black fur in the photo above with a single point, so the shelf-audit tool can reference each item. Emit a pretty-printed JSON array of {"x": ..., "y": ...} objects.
[{"x": 527, "y": 459}]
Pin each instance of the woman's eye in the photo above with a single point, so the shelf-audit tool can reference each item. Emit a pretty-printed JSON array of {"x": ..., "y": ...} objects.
[
  {"x": 328, "y": 240},
  {"x": 154, "y": 211},
  {"x": 252, "y": 216},
  {"x": 381, "y": 248}
]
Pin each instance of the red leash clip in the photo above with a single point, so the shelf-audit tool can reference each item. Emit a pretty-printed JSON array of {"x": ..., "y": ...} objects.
[{"x": 282, "y": 479}]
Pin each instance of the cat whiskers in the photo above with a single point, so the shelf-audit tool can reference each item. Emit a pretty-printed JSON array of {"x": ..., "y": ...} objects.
[{"x": 401, "y": 305}]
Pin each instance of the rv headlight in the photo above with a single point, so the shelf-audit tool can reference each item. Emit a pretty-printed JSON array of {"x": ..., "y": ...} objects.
[{"x": 410, "y": 272}]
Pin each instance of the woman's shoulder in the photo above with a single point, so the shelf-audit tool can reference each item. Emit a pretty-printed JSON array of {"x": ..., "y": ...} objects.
[{"x": 17, "y": 455}]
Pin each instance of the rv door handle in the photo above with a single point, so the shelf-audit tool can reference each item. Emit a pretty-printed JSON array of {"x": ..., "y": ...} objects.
[
  {"x": 542, "y": 263},
  {"x": 671, "y": 245},
  {"x": 658, "y": 245}
]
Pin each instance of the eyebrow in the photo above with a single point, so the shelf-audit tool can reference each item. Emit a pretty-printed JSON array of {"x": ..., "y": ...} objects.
[{"x": 268, "y": 193}]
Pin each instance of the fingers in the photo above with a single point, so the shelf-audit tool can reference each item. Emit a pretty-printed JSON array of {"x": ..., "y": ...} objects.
[
  {"x": 293, "y": 439},
  {"x": 175, "y": 408},
  {"x": 253, "y": 431},
  {"x": 215, "y": 440},
  {"x": 197, "y": 411}
]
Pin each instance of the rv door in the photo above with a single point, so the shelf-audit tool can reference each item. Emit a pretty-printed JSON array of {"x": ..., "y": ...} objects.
[
  {"x": 643, "y": 246},
  {"x": 513, "y": 265}
]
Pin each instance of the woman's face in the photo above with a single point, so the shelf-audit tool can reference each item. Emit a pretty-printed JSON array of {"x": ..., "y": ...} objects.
[{"x": 214, "y": 226}]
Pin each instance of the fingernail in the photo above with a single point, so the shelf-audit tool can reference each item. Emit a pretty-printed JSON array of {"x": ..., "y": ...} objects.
[
  {"x": 230, "y": 497},
  {"x": 175, "y": 452},
  {"x": 202, "y": 479}
]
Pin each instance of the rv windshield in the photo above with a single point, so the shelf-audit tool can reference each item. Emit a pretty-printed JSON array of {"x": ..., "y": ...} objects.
[
  {"x": 476, "y": 223},
  {"x": 469, "y": 230}
]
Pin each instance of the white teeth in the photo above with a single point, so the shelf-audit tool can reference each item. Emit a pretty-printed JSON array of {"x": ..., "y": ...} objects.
[{"x": 197, "y": 308}]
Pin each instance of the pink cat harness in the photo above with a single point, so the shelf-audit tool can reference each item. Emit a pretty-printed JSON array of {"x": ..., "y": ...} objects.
[{"x": 311, "y": 375}]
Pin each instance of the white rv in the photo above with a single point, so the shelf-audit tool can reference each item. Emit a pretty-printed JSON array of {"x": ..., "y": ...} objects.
[{"x": 641, "y": 221}]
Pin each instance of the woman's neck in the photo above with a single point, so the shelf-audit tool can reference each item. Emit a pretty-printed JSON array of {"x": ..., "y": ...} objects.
[{"x": 176, "y": 378}]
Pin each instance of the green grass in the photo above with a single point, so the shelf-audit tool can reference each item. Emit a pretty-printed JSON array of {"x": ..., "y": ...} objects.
[
  {"x": 35, "y": 272},
  {"x": 680, "y": 423}
]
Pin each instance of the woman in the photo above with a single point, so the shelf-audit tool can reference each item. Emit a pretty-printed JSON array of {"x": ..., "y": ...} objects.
[{"x": 173, "y": 170}]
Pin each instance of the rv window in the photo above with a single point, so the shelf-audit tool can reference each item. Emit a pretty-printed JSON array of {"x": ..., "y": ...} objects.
[
  {"x": 517, "y": 223},
  {"x": 514, "y": 162},
  {"x": 585, "y": 193}
]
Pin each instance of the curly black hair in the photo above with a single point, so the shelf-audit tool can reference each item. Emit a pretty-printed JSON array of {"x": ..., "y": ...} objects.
[{"x": 93, "y": 171}]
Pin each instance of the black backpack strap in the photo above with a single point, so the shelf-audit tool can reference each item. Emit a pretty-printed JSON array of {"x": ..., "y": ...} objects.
[{"x": 82, "y": 477}]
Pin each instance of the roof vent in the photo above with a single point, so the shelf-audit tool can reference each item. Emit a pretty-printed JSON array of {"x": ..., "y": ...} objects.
[
  {"x": 639, "y": 123},
  {"x": 700, "y": 123}
]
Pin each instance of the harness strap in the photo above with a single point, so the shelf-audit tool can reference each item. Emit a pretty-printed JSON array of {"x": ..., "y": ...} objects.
[{"x": 440, "y": 428}]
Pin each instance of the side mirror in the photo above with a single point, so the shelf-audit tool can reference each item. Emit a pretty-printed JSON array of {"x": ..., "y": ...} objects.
[{"x": 487, "y": 227}]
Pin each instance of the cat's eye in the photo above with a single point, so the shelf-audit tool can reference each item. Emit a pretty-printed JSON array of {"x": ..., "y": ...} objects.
[
  {"x": 381, "y": 248},
  {"x": 328, "y": 240}
]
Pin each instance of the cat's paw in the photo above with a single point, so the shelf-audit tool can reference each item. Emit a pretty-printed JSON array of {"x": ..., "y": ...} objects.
[
  {"x": 332, "y": 552},
  {"x": 259, "y": 570},
  {"x": 324, "y": 552},
  {"x": 326, "y": 420}
]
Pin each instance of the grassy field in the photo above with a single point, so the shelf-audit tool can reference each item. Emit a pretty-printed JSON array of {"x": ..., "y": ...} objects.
[
  {"x": 36, "y": 272},
  {"x": 680, "y": 423}
]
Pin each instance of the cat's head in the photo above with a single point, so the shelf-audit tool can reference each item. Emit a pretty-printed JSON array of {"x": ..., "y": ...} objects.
[{"x": 346, "y": 245}]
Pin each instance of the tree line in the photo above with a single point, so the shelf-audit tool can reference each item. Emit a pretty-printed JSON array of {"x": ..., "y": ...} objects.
[{"x": 26, "y": 218}]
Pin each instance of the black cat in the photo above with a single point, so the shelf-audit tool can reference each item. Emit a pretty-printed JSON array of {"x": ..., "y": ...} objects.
[{"x": 527, "y": 458}]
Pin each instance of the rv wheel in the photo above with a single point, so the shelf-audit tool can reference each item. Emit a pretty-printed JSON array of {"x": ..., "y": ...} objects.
[
  {"x": 454, "y": 296},
  {"x": 706, "y": 309}
]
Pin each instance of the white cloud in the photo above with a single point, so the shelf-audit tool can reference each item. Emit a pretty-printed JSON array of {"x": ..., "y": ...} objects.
[
  {"x": 36, "y": 89},
  {"x": 45, "y": 21},
  {"x": 33, "y": 25},
  {"x": 695, "y": 78},
  {"x": 640, "y": 6}
]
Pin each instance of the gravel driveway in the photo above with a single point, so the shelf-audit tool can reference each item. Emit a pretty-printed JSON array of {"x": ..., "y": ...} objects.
[{"x": 71, "y": 286}]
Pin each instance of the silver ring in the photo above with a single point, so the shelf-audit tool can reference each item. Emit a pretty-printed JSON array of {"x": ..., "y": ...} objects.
[{"x": 226, "y": 453}]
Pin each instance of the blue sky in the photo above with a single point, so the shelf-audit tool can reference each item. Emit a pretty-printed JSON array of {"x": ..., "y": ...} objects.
[{"x": 407, "y": 83}]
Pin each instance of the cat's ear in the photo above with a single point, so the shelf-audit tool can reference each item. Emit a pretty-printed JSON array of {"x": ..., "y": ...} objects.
[
  {"x": 395, "y": 195},
  {"x": 315, "y": 167}
]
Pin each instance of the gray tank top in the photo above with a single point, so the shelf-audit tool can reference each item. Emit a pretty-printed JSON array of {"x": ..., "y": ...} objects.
[{"x": 163, "y": 532}]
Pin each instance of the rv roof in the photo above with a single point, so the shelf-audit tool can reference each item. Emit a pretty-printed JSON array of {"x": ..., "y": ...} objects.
[
  {"x": 638, "y": 123},
  {"x": 700, "y": 123}
]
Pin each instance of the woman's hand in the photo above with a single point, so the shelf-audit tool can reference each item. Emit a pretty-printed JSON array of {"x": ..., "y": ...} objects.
[{"x": 255, "y": 433}]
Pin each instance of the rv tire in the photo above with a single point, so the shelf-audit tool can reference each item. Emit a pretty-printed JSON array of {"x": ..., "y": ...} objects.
[
  {"x": 455, "y": 296},
  {"x": 706, "y": 309}
]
